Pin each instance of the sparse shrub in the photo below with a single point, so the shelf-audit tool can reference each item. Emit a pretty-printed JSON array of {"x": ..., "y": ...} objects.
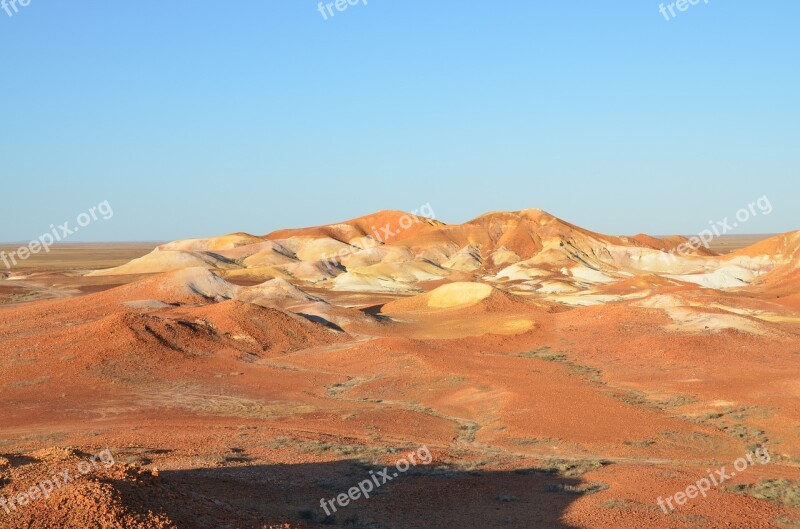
[
  {"x": 506, "y": 498},
  {"x": 543, "y": 353},
  {"x": 570, "y": 469},
  {"x": 782, "y": 491},
  {"x": 582, "y": 489},
  {"x": 647, "y": 443},
  {"x": 627, "y": 505},
  {"x": 785, "y": 521}
]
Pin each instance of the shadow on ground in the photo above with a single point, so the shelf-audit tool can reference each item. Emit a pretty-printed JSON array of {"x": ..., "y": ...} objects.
[{"x": 421, "y": 498}]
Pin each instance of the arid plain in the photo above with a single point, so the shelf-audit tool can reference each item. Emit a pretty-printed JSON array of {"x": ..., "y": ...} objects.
[{"x": 559, "y": 378}]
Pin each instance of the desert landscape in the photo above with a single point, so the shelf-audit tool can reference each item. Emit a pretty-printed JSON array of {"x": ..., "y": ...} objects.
[
  {"x": 370, "y": 264},
  {"x": 543, "y": 375}
]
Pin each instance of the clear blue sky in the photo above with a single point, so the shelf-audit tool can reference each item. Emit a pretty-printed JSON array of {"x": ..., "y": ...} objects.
[{"x": 201, "y": 118}]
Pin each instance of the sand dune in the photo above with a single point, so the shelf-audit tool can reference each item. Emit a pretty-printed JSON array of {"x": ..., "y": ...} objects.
[
  {"x": 167, "y": 260},
  {"x": 213, "y": 244},
  {"x": 455, "y": 296}
]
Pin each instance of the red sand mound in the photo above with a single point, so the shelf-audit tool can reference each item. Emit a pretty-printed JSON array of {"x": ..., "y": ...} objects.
[
  {"x": 273, "y": 330},
  {"x": 402, "y": 225},
  {"x": 668, "y": 244},
  {"x": 786, "y": 245},
  {"x": 462, "y": 296}
]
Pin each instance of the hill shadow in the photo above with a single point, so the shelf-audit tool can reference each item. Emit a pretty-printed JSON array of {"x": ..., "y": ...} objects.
[{"x": 421, "y": 498}]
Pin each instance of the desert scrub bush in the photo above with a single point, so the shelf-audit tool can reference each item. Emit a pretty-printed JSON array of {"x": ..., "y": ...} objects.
[
  {"x": 647, "y": 443},
  {"x": 753, "y": 435},
  {"x": 571, "y": 469},
  {"x": 627, "y": 505},
  {"x": 582, "y": 489},
  {"x": 785, "y": 521},
  {"x": 506, "y": 498},
  {"x": 536, "y": 440},
  {"x": 320, "y": 448},
  {"x": 782, "y": 491},
  {"x": 543, "y": 353}
]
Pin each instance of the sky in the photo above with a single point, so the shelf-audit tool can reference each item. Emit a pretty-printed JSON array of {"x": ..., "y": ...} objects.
[{"x": 200, "y": 118}]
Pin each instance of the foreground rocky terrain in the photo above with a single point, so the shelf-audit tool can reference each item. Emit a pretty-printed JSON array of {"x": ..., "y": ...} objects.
[{"x": 557, "y": 377}]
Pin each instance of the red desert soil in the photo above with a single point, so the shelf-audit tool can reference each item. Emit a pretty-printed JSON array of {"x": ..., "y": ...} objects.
[{"x": 559, "y": 378}]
